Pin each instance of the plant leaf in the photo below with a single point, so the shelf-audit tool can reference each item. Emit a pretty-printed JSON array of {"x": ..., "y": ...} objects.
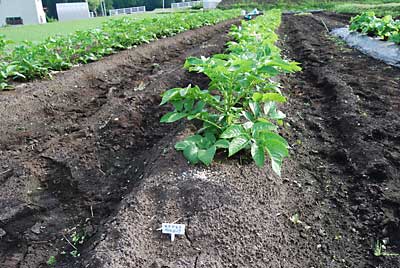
[
  {"x": 255, "y": 108},
  {"x": 273, "y": 97},
  {"x": 232, "y": 132},
  {"x": 194, "y": 138},
  {"x": 172, "y": 117},
  {"x": 237, "y": 144},
  {"x": 222, "y": 144},
  {"x": 248, "y": 115},
  {"x": 181, "y": 145},
  {"x": 190, "y": 153},
  {"x": 271, "y": 111},
  {"x": 274, "y": 136},
  {"x": 169, "y": 94},
  {"x": 276, "y": 151},
  {"x": 248, "y": 125},
  {"x": 207, "y": 156},
  {"x": 271, "y": 71},
  {"x": 263, "y": 126},
  {"x": 210, "y": 136},
  {"x": 257, "y": 152}
]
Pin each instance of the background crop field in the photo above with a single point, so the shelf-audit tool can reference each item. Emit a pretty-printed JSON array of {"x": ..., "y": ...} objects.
[
  {"x": 380, "y": 7},
  {"x": 40, "y": 32}
]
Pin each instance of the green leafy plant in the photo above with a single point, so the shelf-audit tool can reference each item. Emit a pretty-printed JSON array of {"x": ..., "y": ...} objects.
[
  {"x": 385, "y": 28},
  {"x": 295, "y": 219},
  {"x": 51, "y": 261},
  {"x": 3, "y": 43},
  {"x": 239, "y": 110},
  {"x": 395, "y": 38},
  {"x": 30, "y": 60},
  {"x": 77, "y": 239}
]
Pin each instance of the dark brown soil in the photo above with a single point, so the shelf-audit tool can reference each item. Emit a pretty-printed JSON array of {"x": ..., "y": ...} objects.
[
  {"x": 72, "y": 147},
  {"x": 85, "y": 153},
  {"x": 348, "y": 122}
]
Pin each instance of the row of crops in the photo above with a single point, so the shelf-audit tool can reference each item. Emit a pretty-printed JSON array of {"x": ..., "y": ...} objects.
[
  {"x": 239, "y": 110},
  {"x": 29, "y": 60},
  {"x": 385, "y": 28}
]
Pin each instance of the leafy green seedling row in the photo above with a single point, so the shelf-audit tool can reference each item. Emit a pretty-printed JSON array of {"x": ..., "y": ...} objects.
[
  {"x": 30, "y": 60},
  {"x": 239, "y": 110},
  {"x": 386, "y": 28}
]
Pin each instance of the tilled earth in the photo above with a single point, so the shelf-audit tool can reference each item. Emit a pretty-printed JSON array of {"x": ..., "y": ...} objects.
[
  {"x": 85, "y": 153},
  {"x": 344, "y": 110},
  {"x": 72, "y": 147}
]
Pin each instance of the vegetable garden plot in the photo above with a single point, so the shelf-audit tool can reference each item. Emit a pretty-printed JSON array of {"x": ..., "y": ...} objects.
[
  {"x": 349, "y": 119},
  {"x": 85, "y": 156},
  {"x": 28, "y": 61},
  {"x": 329, "y": 201},
  {"x": 70, "y": 148},
  {"x": 385, "y": 28},
  {"x": 376, "y": 37},
  {"x": 385, "y": 51}
]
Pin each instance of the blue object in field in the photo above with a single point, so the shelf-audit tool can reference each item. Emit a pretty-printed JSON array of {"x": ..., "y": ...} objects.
[{"x": 252, "y": 14}]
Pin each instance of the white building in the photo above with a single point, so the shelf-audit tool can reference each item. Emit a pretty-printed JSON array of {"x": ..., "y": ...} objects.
[
  {"x": 21, "y": 12},
  {"x": 210, "y": 4},
  {"x": 72, "y": 11}
]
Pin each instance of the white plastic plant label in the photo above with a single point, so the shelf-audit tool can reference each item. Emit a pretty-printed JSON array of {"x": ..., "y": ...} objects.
[{"x": 173, "y": 229}]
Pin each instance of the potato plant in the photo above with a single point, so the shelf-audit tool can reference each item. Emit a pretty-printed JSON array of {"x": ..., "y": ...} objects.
[
  {"x": 7, "y": 69},
  {"x": 30, "y": 60},
  {"x": 385, "y": 28},
  {"x": 239, "y": 109}
]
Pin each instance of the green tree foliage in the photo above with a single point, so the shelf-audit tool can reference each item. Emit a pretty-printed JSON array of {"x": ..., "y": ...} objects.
[{"x": 93, "y": 4}]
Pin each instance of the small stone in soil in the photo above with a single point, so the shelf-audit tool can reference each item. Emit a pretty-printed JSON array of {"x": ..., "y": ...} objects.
[
  {"x": 36, "y": 228},
  {"x": 2, "y": 233}
]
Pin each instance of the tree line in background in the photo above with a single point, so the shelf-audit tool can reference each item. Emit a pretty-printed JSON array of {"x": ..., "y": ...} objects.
[{"x": 94, "y": 5}]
